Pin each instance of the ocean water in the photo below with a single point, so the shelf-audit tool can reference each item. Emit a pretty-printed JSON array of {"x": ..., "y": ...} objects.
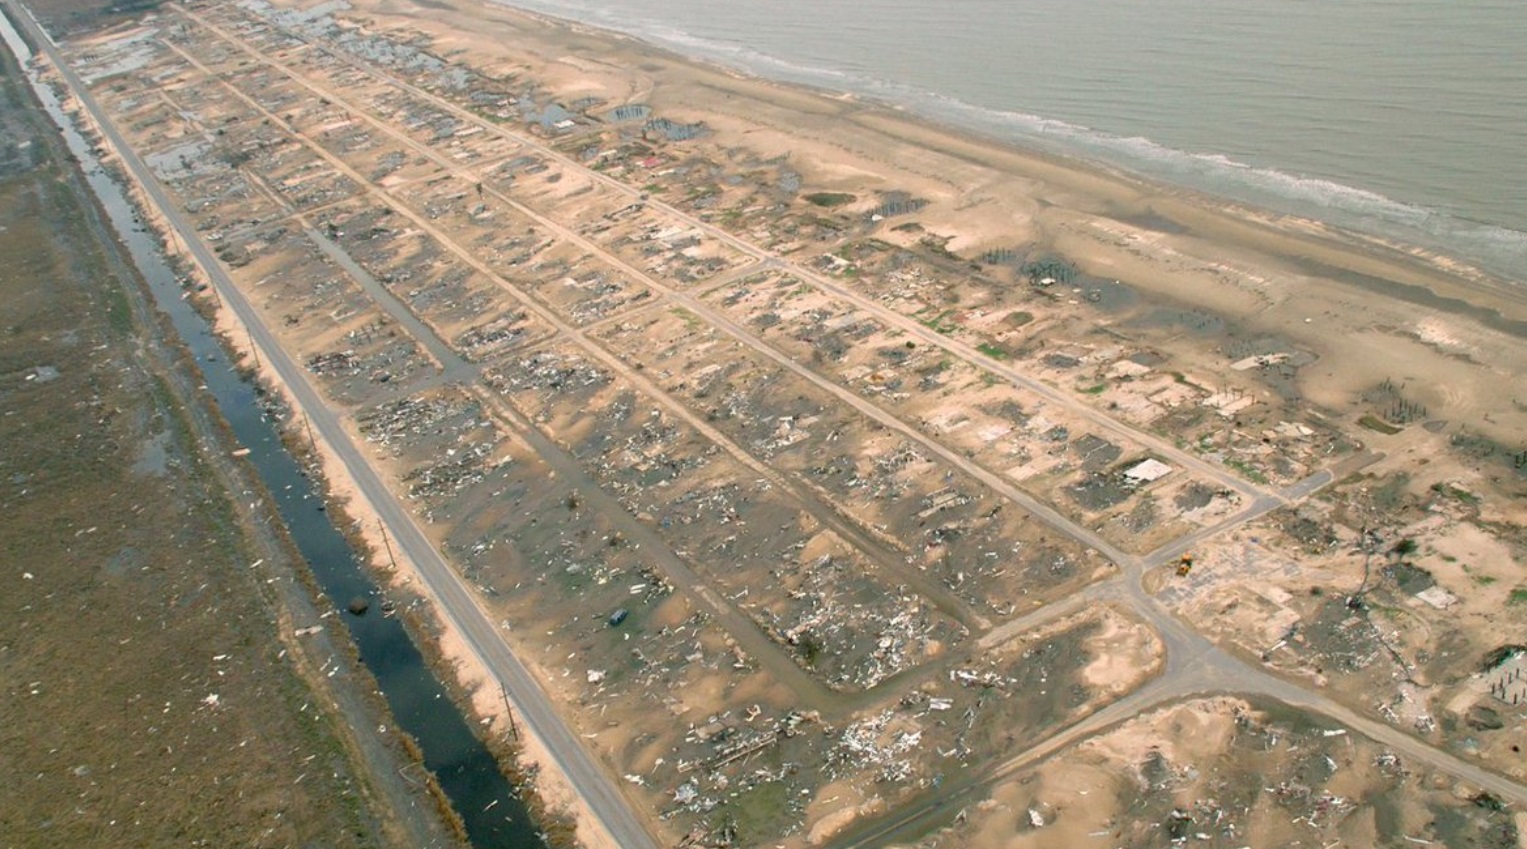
[{"x": 1402, "y": 118}]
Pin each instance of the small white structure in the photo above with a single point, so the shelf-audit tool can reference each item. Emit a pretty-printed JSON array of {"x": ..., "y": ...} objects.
[
  {"x": 1148, "y": 471},
  {"x": 1437, "y": 597}
]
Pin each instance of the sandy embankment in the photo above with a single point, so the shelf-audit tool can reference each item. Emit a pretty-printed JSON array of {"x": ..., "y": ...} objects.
[
  {"x": 472, "y": 675},
  {"x": 488, "y": 704},
  {"x": 1370, "y": 310},
  {"x": 1228, "y": 260}
]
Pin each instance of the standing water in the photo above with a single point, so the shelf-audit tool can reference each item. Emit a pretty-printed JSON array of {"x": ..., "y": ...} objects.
[{"x": 468, "y": 773}]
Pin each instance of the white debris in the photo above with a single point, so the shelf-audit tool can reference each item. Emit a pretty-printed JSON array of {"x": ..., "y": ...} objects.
[
  {"x": 1148, "y": 470},
  {"x": 1437, "y": 597}
]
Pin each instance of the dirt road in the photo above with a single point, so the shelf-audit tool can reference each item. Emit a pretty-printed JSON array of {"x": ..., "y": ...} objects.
[
  {"x": 456, "y": 602},
  {"x": 1194, "y": 665}
]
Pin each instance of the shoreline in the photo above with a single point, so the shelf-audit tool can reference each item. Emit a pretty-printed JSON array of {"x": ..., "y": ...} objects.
[
  {"x": 1262, "y": 275},
  {"x": 1363, "y": 264},
  {"x": 1436, "y": 256},
  {"x": 1363, "y": 259}
]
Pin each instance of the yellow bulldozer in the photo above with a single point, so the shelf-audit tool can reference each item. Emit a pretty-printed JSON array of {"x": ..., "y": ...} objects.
[{"x": 1184, "y": 565}]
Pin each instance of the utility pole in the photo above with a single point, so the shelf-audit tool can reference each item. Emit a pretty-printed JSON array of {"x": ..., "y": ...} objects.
[
  {"x": 509, "y": 710},
  {"x": 388, "y": 545},
  {"x": 312, "y": 443}
]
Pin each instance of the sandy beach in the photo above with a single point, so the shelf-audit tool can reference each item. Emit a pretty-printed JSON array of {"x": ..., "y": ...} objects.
[{"x": 1364, "y": 305}]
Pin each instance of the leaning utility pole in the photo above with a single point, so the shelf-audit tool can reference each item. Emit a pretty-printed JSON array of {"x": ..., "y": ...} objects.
[
  {"x": 387, "y": 544},
  {"x": 509, "y": 710}
]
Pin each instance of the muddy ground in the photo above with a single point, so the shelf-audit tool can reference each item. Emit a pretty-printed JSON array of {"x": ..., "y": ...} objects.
[
  {"x": 149, "y": 696},
  {"x": 756, "y": 527}
]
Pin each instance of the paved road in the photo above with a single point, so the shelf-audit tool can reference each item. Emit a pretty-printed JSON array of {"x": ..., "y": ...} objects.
[
  {"x": 849, "y": 399},
  {"x": 456, "y": 602},
  {"x": 808, "y": 689},
  {"x": 750, "y": 637},
  {"x": 1194, "y": 665},
  {"x": 879, "y": 550},
  {"x": 572, "y": 473},
  {"x": 768, "y": 259}
]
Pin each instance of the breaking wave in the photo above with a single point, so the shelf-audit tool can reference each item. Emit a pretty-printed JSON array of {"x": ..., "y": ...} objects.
[{"x": 1498, "y": 249}]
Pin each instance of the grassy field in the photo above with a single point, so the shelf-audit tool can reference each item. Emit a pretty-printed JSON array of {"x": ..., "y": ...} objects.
[
  {"x": 148, "y": 699},
  {"x": 69, "y": 17}
]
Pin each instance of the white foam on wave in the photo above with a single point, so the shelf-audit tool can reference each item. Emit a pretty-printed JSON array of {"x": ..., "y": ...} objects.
[{"x": 1499, "y": 249}]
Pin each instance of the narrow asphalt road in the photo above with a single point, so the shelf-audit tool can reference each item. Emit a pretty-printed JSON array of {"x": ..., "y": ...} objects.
[
  {"x": 456, "y": 602},
  {"x": 724, "y": 323},
  {"x": 769, "y": 260},
  {"x": 1194, "y": 665},
  {"x": 872, "y": 546}
]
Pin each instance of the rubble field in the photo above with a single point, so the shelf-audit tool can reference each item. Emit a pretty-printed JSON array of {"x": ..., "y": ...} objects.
[
  {"x": 867, "y": 502},
  {"x": 1225, "y": 772},
  {"x": 1387, "y": 586}
]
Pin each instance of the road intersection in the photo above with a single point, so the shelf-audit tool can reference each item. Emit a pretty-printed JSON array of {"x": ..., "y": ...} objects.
[{"x": 1194, "y": 665}]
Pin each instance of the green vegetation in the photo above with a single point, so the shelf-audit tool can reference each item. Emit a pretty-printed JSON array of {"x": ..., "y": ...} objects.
[
  {"x": 1375, "y": 423},
  {"x": 1099, "y": 389},
  {"x": 1518, "y": 596},
  {"x": 811, "y": 648},
  {"x": 1248, "y": 471},
  {"x": 1456, "y": 493},
  {"x": 1482, "y": 580},
  {"x": 760, "y": 810},
  {"x": 937, "y": 324},
  {"x": 829, "y": 199},
  {"x": 1391, "y": 493},
  {"x": 690, "y": 320},
  {"x": 996, "y": 352}
]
